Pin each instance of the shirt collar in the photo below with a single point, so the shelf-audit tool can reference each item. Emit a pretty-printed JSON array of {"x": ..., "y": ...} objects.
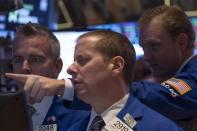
[
  {"x": 43, "y": 107},
  {"x": 133, "y": 107},
  {"x": 187, "y": 60},
  {"x": 114, "y": 109},
  {"x": 111, "y": 111}
]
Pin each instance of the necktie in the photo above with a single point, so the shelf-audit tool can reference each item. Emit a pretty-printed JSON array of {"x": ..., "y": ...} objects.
[
  {"x": 97, "y": 124},
  {"x": 32, "y": 110}
]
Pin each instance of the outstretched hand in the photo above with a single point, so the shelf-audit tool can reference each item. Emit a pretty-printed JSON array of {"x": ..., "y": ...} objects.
[{"x": 36, "y": 87}]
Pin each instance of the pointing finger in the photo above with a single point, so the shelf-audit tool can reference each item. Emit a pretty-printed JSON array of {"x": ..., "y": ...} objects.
[{"x": 18, "y": 77}]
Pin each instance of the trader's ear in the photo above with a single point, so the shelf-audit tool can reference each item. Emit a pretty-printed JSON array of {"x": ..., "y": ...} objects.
[
  {"x": 58, "y": 67},
  {"x": 183, "y": 41},
  {"x": 117, "y": 64}
]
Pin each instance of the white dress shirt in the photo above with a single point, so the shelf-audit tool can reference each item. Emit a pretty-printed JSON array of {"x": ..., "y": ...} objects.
[
  {"x": 109, "y": 113},
  {"x": 41, "y": 111}
]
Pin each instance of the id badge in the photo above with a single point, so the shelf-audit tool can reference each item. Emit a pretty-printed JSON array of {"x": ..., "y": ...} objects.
[
  {"x": 117, "y": 125},
  {"x": 50, "y": 127}
]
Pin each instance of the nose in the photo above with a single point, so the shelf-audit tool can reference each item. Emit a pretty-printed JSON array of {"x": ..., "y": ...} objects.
[
  {"x": 26, "y": 68},
  {"x": 72, "y": 70},
  {"x": 147, "y": 56}
]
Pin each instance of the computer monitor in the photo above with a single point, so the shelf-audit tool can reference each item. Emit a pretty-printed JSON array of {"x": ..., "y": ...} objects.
[
  {"x": 194, "y": 24},
  {"x": 129, "y": 29},
  {"x": 13, "y": 112},
  {"x": 67, "y": 41}
]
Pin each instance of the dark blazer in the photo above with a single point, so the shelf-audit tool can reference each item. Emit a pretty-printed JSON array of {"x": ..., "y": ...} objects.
[
  {"x": 160, "y": 98},
  {"x": 62, "y": 116},
  {"x": 147, "y": 119}
]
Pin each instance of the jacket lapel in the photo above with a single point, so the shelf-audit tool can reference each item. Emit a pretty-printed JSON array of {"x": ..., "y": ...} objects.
[
  {"x": 55, "y": 113},
  {"x": 134, "y": 108},
  {"x": 80, "y": 125}
]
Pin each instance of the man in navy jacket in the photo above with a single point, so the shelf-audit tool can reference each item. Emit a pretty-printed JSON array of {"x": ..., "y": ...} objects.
[
  {"x": 167, "y": 38},
  {"x": 37, "y": 51}
]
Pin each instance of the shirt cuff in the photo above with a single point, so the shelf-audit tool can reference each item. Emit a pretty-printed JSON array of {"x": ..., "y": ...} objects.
[{"x": 69, "y": 90}]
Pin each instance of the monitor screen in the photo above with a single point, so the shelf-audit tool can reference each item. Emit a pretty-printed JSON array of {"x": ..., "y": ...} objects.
[
  {"x": 6, "y": 38},
  {"x": 7, "y": 33},
  {"x": 194, "y": 24},
  {"x": 67, "y": 44},
  {"x": 14, "y": 113},
  {"x": 129, "y": 29},
  {"x": 35, "y": 11}
]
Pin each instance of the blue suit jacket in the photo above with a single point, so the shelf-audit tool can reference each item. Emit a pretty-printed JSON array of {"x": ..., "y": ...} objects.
[
  {"x": 160, "y": 99},
  {"x": 62, "y": 116},
  {"x": 147, "y": 119}
]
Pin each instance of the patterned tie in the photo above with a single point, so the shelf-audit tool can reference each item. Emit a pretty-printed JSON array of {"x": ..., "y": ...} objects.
[{"x": 97, "y": 124}]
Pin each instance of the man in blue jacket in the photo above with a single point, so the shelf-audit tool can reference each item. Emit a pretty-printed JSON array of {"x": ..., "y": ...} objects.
[
  {"x": 102, "y": 78},
  {"x": 37, "y": 51},
  {"x": 169, "y": 50},
  {"x": 167, "y": 38}
]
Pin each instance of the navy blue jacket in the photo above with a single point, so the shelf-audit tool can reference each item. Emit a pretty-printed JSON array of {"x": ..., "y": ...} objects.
[
  {"x": 63, "y": 117},
  {"x": 160, "y": 98},
  {"x": 147, "y": 119}
]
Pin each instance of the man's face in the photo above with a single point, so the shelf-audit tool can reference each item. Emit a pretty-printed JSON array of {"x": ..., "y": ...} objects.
[
  {"x": 160, "y": 50},
  {"x": 33, "y": 56},
  {"x": 90, "y": 73}
]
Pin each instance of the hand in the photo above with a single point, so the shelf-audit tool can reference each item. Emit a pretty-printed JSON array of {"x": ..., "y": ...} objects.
[{"x": 36, "y": 87}]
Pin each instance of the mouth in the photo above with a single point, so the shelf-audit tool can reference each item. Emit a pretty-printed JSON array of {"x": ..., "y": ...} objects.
[
  {"x": 76, "y": 83},
  {"x": 155, "y": 68}
]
